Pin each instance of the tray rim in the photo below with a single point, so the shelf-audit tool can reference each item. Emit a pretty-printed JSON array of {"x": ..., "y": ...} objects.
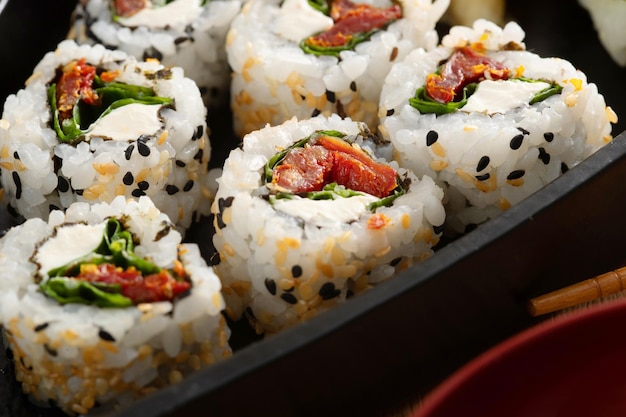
[{"x": 271, "y": 349}]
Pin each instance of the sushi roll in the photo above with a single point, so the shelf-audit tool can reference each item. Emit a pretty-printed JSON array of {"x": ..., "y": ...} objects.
[
  {"x": 310, "y": 212},
  {"x": 103, "y": 304},
  {"x": 185, "y": 33},
  {"x": 92, "y": 124},
  {"x": 303, "y": 58},
  {"x": 489, "y": 121}
]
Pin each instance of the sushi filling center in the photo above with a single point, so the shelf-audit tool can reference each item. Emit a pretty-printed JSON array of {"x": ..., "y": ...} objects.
[
  {"x": 82, "y": 96},
  {"x": 323, "y": 167},
  {"x": 110, "y": 275},
  {"x": 353, "y": 24},
  {"x": 465, "y": 74}
]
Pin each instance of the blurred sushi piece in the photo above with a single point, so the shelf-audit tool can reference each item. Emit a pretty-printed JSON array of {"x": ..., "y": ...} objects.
[
  {"x": 183, "y": 33},
  {"x": 491, "y": 122},
  {"x": 310, "y": 212},
  {"x": 92, "y": 124},
  {"x": 102, "y": 305},
  {"x": 608, "y": 17},
  {"x": 303, "y": 58}
]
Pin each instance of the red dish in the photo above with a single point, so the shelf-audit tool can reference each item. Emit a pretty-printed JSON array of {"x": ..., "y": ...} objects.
[{"x": 570, "y": 366}]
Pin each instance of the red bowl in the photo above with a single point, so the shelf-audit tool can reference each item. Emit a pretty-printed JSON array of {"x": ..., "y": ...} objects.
[{"x": 573, "y": 365}]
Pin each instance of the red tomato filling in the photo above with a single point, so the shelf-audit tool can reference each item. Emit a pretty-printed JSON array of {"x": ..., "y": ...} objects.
[
  {"x": 140, "y": 289},
  {"x": 352, "y": 19},
  {"x": 330, "y": 160},
  {"x": 126, "y": 8},
  {"x": 464, "y": 67},
  {"x": 74, "y": 84}
]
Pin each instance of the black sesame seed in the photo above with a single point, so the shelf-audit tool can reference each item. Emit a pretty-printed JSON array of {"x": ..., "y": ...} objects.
[
  {"x": 483, "y": 177},
  {"x": 215, "y": 259},
  {"x": 180, "y": 163},
  {"x": 51, "y": 352},
  {"x": 395, "y": 261},
  {"x": 482, "y": 163},
  {"x": 164, "y": 74},
  {"x": 353, "y": 86},
  {"x": 390, "y": 112},
  {"x": 9, "y": 354},
  {"x": 62, "y": 184},
  {"x": 143, "y": 149},
  {"x": 316, "y": 112},
  {"x": 198, "y": 155},
  {"x": 296, "y": 271},
  {"x": 270, "y": 284},
  {"x": 188, "y": 186},
  {"x": 152, "y": 53},
  {"x": 219, "y": 221},
  {"x": 544, "y": 156},
  {"x": 137, "y": 192},
  {"x": 438, "y": 229},
  {"x": 289, "y": 298},
  {"x": 18, "y": 184},
  {"x": 524, "y": 131},
  {"x": 128, "y": 178},
  {"x": 53, "y": 207},
  {"x": 514, "y": 175},
  {"x": 79, "y": 192},
  {"x": 197, "y": 134},
  {"x": 16, "y": 155},
  {"x": 328, "y": 291},
  {"x": 564, "y": 168},
  {"x": 431, "y": 137},
  {"x": 180, "y": 40},
  {"x": 250, "y": 312},
  {"x": 340, "y": 110},
  {"x": 548, "y": 136},
  {"x": 129, "y": 151},
  {"x": 330, "y": 96},
  {"x": 516, "y": 142},
  {"x": 143, "y": 185},
  {"x": 394, "y": 54},
  {"x": 171, "y": 189},
  {"x": 41, "y": 327},
  {"x": 104, "y": 335},
  {"x": 225, "y": 202}
]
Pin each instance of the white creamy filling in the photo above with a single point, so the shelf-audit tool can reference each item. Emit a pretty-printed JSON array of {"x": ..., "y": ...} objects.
[
  {"x": 326, "y": 213},
  {"x": 128, "y": 122},
  {"x": 174, "y": 13},
  {"x": 297, "y": 20},
  {"x": 70, "y": 242},
  {"x": 502, "y": 95}
]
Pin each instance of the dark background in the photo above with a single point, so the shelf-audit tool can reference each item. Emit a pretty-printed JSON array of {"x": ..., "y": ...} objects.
[{"x": 396, "y": 342}]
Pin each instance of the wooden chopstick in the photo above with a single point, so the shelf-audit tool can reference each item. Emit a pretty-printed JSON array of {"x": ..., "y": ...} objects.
[{"x": 592, "y": 289}]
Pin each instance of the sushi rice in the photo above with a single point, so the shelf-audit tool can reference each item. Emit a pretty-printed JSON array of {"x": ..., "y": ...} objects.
[
  {"x": 158, "y": 151},
  {"x": 184, "y": 33},
  {"x": 80, "y": 356},
  {"x": 282, "y": 262},
  {"x": 275, "y": 80},
  {"x": 497, "y": 149}
]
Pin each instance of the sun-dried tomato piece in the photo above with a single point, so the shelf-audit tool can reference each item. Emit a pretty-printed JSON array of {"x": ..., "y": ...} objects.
[{"x": 464, "y": 67}]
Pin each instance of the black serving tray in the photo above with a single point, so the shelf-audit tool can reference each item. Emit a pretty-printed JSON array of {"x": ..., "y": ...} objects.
[{"x": 386, "y": 348}]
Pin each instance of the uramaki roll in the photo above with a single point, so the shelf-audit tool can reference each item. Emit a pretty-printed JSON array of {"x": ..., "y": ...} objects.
[
  {"x": 92, "y": 124},
  {"x": 103, "y": 305},
  {"x": 309, "y": 212}
]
